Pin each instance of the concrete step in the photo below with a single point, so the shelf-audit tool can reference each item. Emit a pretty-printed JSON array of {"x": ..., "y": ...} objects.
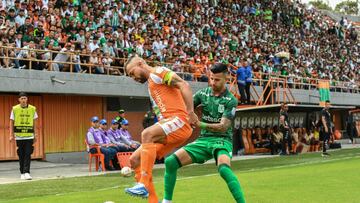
[{"x": 347, "y": 141}]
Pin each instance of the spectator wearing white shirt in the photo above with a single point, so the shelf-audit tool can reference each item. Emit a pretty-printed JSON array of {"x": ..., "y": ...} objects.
[
  {"x": 93, "y": 45},
  {"x": 63, "y": 56},
  {"x": 20, "y": 19}
]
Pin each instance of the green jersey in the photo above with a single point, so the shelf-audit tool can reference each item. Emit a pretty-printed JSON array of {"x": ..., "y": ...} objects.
[{"x": 214, "y": 108}]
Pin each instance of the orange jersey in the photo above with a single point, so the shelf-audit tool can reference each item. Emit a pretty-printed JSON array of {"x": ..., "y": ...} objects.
[{"x": 166, "y": 101}]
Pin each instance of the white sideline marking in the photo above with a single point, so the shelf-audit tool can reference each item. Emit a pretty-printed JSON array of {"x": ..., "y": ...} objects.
[
  {"x": 214, "y": 174},
  {"x": 275, "y": 167}
]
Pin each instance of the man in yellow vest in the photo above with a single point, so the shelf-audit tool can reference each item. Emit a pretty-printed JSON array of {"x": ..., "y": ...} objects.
[{"x": 23, "y": 129}]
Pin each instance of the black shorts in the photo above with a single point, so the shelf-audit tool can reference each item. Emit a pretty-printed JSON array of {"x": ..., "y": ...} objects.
[{"x": 324, "y": 136}]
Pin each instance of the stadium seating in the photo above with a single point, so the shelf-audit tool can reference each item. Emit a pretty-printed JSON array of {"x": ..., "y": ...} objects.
[{"x": 96, "y": 38}]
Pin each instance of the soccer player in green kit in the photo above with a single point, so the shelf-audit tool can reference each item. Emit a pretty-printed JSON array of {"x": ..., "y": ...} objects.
[{"x": 215, "y": 141}]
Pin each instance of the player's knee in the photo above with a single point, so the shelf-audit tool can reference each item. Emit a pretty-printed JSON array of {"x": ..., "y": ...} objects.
[
  {"x": 146, "y": 136},
  {"x": 223, "y": 157},
  {"x": 172, "y": 163},
  {"x": 222, "y": 169}
]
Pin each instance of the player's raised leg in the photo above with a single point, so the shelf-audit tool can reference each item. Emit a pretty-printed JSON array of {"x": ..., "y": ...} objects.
[
  {"x": 150, "y": 136},
  {"x": 223, "y": 160}
]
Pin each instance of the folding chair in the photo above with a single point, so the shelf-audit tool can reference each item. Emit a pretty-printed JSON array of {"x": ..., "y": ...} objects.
[{"x": 99, "y": 157}]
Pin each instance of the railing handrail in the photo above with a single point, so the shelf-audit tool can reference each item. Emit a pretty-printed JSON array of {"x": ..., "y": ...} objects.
[{"x": 259, "y": 76}]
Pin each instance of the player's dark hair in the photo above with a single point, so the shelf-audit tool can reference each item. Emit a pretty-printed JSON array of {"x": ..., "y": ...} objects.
[
  {"x": 22, "y": 94},
  {"x": 219, "y": 68}
]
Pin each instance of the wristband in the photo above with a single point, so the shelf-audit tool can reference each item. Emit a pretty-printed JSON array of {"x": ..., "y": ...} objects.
[{"x": 203, "y": 125}]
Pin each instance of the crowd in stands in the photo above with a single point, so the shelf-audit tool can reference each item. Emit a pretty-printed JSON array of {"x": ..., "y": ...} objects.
[{"x": 279, "y": 37}]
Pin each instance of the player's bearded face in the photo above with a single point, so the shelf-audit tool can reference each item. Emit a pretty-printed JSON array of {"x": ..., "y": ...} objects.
[
  {"x": 217, "y": 81},
  {"x": 137, "y": 74}
]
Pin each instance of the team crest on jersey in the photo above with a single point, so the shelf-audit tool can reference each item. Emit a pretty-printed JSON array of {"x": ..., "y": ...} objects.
[{"x": 221, "y": 108}]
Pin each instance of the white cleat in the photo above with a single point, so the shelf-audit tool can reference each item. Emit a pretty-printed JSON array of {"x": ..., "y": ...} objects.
[
  {"x": 27, "y": 176},
  {"x": 22, "y": 177}
]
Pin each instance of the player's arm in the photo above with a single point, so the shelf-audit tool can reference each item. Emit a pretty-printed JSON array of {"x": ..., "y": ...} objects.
[
  {"x": 226, "y": 119},
  {"x": 323, "y": 120},
  {"x": 282, "y": 121},
  {"x": 224, "y": 124},
  {"x": 173, "y": 80}
]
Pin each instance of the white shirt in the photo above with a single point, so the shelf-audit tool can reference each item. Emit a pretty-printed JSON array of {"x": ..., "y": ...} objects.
[
  {"x": 20, "y": 20},
  {"x": 93, "y": 46},
  {"x": 60, "y": 57}
]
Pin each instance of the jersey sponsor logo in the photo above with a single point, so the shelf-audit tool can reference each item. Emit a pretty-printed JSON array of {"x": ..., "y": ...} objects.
[
  {"x": 211, "y": 119},
  {"x": 221, "y": 108},
  {"x": 159, "y": 102}
]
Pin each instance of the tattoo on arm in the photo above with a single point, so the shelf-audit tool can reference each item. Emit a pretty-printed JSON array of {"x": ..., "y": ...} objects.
[
  {"x": 224, "y": 124},
  {"x": 175, "y": 80}
]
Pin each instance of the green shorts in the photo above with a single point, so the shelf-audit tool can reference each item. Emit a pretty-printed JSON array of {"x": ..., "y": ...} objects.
[{"x": 204, "y": 148}]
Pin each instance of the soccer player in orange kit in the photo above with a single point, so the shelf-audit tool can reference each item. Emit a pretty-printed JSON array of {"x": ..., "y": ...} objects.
[{"x": 172, "y": 102}]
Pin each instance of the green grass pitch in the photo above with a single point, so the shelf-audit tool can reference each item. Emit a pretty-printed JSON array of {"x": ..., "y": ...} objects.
[{"x": 302, "y": 178}]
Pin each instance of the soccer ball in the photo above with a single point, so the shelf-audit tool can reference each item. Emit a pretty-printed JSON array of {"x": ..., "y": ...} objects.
[{"x": 126, "y": 171}]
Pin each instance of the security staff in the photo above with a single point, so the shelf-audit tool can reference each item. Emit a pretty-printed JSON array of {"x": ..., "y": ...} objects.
[
  {"x": 326, "y": 130},
  {"x": 120, "y": 117},
  {"x": 23, "y": 129},
  {"x": 285, "y": 129}
]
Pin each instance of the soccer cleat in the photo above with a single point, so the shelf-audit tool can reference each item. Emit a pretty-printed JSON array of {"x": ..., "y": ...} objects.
[
  {"x": 22, "y": 177},
  {"x": 27, "y": 176},
  {"x": 138, "y": 190}
]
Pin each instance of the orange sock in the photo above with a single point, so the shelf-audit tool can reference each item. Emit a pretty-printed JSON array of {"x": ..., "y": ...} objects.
[
  {"x": 137, "y": 172},
  {"x": 152, "y": 193},
  {"x": 148, "y": 156}
]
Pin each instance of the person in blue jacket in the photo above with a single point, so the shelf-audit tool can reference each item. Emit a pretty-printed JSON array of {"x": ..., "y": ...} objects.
[
  {"x": 241, "y": 81},
  {"x": 248, "y": 80}
]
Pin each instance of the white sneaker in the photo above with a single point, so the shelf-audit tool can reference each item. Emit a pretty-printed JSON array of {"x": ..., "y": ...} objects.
[
  {"x": 22, "y": 177},
  {"x": 27, "y": 176}
]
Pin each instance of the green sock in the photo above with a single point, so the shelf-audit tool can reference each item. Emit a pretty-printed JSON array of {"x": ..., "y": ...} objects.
[
  {"x": 172, "y": 164},
  {"x": 232, "y": 182}
]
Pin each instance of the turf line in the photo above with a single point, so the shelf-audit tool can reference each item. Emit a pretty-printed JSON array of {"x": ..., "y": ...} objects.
[{"x": 357, "y": 155}]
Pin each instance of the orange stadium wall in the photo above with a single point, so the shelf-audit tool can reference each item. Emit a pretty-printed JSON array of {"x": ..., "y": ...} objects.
[
  {"x": 66, "y": 120},
  {"x": 63, "y": 121}
]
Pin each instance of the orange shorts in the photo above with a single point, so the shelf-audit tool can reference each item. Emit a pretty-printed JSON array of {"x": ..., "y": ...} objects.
[{"x": 177, "y": 132}]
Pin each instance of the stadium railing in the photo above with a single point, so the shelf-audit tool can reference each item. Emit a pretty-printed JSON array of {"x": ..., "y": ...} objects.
[{"x": 260, "y": 79}]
